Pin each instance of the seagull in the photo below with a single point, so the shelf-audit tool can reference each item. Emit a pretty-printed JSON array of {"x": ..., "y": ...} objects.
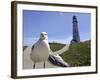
[{"x": 40, "y": 50}]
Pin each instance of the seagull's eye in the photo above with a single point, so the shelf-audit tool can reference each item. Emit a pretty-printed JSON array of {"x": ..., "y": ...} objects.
[{"x": 42, "y": 35}]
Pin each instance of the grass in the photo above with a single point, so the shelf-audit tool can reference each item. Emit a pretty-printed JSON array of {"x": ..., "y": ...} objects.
[
  {"x": 77, "y": 55},
  {"x": 56, "y": 46}
]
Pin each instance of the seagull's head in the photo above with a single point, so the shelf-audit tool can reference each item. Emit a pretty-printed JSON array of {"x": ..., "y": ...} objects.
[{"x": 43, "y": 35}]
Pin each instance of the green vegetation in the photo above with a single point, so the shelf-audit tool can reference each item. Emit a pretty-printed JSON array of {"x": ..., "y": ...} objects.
[
  {"x": 77, "y": 55},
  {"x": 56, "y": 46}
]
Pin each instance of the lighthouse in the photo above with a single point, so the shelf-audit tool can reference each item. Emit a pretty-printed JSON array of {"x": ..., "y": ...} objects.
[{"x": 75, "y": 32}]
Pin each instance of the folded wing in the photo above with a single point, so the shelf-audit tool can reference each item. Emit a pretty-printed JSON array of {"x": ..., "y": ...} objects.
[{"x": 57, "y": 61}]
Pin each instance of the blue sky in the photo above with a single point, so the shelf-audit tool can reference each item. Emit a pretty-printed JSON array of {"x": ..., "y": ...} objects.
[{"x": 58, "y": 26}]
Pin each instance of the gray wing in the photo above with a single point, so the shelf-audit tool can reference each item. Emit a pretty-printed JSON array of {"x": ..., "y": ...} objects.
[
  {"x": 31, "y": 51},
  {"x": 58, "y": 61}
]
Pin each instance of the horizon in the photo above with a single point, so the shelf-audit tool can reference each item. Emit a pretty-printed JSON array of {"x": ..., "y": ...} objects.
[{"x": 57, "y": 43}]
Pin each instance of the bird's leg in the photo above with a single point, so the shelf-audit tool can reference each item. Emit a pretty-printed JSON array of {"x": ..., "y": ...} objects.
[
  {"x": 34, "y": 66},
  {"x": 44, "y": 65}
]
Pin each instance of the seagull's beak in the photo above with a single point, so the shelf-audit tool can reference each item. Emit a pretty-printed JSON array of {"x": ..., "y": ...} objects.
[{"x": 43, "y": 36}]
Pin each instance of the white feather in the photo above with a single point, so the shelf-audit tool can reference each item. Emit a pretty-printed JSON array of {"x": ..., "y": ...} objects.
[{"x": 41, "y": 49}]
